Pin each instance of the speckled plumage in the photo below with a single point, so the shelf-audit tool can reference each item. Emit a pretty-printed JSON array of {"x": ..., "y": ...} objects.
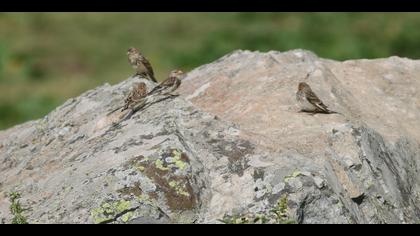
[
  {"x": 140, "y": 64},
  {"x": 169, "y": 85},
  {"x": 309, "y": 101},
  {"x": 137, "y": 94}
]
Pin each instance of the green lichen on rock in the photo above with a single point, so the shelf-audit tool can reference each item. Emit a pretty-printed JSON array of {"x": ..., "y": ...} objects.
[
  {"x": 109, "y": 210},
  {"x": 281, "y": 211},
  {"x": 293, "y": 175},
  {"x": 279, "y": 214},
  {"x": 140, "y": 168},
  {"x": 179, "y": 188},
  {"x": 179, "y": 163},
  {"x": 143, "y": 198},
  {"x": 247, "y": 219},
  {"x": 137, "y": 163},
  {"x": 237, "y": 219},
  {"x": 98, "y": 217},
  {"x": 177, "y": 160},
  {"x": 159, "y": 165},
  {"x": 127, "y": 216},
  {"x": 169, "y": 171}
]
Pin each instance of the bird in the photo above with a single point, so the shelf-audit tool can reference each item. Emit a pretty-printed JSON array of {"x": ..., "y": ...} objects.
[
  {"x": 140, "y": 64},
  {"x": 169, "y": 85},
  {"x": 309, "y": 101},
  {"x": 137, "y": 95}
]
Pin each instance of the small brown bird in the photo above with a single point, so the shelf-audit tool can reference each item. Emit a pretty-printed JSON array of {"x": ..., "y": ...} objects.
[
  {"x": 137, "y": 94},
  {"x": 308, "y": 101},
  {"x": 140, "y": 64},
  {"x": 169, "y": 85}
]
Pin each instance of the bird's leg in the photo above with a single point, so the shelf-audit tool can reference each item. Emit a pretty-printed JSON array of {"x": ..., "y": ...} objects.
[{"x": 308, "y": 112}]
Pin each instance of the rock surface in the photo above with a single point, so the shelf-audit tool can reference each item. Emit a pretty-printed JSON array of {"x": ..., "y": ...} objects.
[{"x": 232, "y": 148}]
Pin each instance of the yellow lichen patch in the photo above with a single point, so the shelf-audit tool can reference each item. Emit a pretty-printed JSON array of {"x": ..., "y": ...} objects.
[
  {"x": 136, "y": 163},
  {"x": 171, "y": 184},
  {"x": 293, "y": 175},
  {"x": 279, "y": 214},
  {"x": 109, "y": 210},
  {"x": 159, "y": 165},
  {"x": 178, "y": 196},
  {"x": 177, "y": 159},
  {"x": 140, "y": 168},
  {"x": 127, "y": 216},
  {"x": 179, "y": 188}
]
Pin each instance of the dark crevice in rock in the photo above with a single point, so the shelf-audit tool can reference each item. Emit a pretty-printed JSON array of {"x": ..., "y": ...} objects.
[
  {"x": 119, "y": 215},
  {"x": 359, "y": 199}
]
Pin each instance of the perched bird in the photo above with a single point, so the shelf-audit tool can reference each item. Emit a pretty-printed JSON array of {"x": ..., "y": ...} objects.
[
  {"x": 169, "y": 85},
  {"x": 140, "y": 63},
  {"x": 137, "y": 94},
  {"x": 308, "y": 101}
]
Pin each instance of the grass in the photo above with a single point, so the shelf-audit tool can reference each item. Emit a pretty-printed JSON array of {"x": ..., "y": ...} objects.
[
  {"x": 46, "y": 58},
  {"x": 16, "y": 209}
]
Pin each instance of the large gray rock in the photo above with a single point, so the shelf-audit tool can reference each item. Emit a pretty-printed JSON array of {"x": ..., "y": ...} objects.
[{"x": 232, "y": 148}]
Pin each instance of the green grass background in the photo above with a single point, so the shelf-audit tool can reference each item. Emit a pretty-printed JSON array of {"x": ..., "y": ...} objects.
[{"x": 46, "y": 58}]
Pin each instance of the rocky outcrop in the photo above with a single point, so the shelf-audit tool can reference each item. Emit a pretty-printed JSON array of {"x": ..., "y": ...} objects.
[{"x": 232, "y": 148}]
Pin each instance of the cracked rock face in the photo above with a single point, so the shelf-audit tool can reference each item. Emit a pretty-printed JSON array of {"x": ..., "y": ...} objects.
[{"x": 232, "y": 148}]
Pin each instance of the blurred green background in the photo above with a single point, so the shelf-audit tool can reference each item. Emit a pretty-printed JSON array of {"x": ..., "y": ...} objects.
[{"x": 46, "y": 58}]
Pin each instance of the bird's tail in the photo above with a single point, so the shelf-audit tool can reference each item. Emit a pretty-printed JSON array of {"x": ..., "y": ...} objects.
[
  {"x": 152, "y": 78},
  {"x": 155, "y": 90},
  {"x": 333, "y": 112},
  {"x": 116, "y": 109},
  {"x": 325, "y": 110},
  {"x": 147, "y": 76}
]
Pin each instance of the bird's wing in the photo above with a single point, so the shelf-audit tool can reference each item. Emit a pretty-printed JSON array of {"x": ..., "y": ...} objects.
[
  {"x": 164, "y": 84},
  {"x": 129, "y": 96},
  {"x": 149, "y": 68},
  {"x": 134, "y": 98},
  {"x": 178, "y": 83},
  {"x": 314, "y": 100},
  {"x": 156, "y": 89},
  {"x": 128, "y": 100},
  {"x": 168, "y": 82}
]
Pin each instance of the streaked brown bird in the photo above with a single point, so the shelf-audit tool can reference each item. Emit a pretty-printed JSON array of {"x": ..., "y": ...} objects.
[
  {"x": 169, "y": 85},
  {"x": 308, "y": 101},
  {"x": 137, "y": 95},
  {"x": 140, "y": 64}
]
